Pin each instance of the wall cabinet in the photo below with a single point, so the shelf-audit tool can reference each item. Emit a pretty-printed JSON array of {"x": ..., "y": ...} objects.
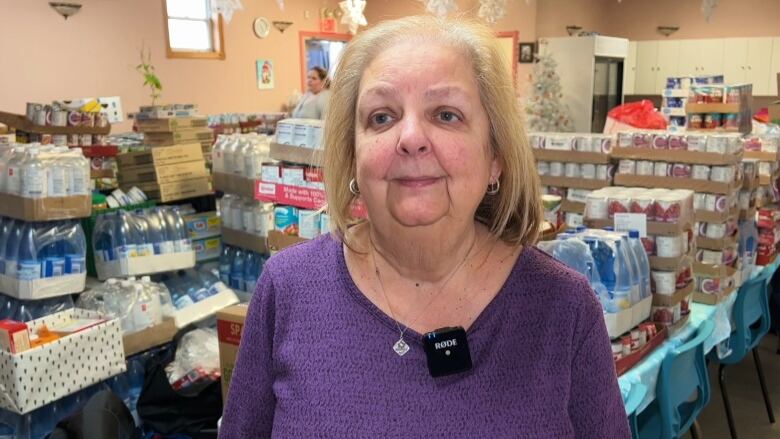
[{"x": 740, "y": 60}]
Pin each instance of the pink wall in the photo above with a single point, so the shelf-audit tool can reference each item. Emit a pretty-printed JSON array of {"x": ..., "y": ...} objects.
[
  {"x": 93, "y": 54},
  {"x": 520, "y": 17},
  {"x": 552, "y": 16}
]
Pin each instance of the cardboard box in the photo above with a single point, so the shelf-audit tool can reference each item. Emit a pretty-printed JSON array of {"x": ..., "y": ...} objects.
[
  {"x": 552, "y": 155},
  {"x": 579, "y": 183},
  {"x": 234, "y": 184},
  {"x": 674, "y": 299},
  {"x": 239, "y": 238},
  {"x": 653, "y": 227},
  {"x": 150, "y": 337},
  {"x": 162, "y": 156},
  {"x": 145, "y": 265},
  {"x": 206, "y": 249},
  {"x": 196, "y": 135},
  {"x": 712, "y": 299},
  {"x": 296, "y": 154},
  {"x": 623, "y": 321},
  {"x": 572, "y": 206},
  {"x": 714, "y": 108},
  {"x": 43, "y": 288},
  {"x": 278, "y": 240},
  {"x": 203, "y": 225},
  {"x": 205, "y": 308},
  {"x": 763, "y": 156},
  {"x": 651, "y": 181},
  {"x": 670, "y": 264},
  {"x": 171, "y": 124},
  {"x": 14, "y": 337},
  {"x": 163, "y": 173},
  {"x": 45, "y": 209},
  {"x": 230, "y": 325},
  {"x": 177, "y": 190},
  {"x": 39, "y": 376},
  {"x": 676, "y": 156},
  {"x": 708, "y": 216},
  {"x": 721, "y": 271},
  {"x": 716, "y": 244}
]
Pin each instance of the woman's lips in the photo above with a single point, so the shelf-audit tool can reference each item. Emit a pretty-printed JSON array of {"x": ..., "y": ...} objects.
[{"x": 416, "y": 182}]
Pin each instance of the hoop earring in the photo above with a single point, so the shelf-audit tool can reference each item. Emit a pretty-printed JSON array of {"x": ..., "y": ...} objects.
[
  {"x": 493, "y": 188},
  {"x": 353, "y": 187}
]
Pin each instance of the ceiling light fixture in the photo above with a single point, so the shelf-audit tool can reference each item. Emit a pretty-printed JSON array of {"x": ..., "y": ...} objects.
[{"x": 65, "y": 9}]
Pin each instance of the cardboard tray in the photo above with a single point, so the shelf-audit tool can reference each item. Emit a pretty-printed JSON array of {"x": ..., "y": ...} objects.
[
  {"x": 196, "y": 135},
  {"x": 751, "y": 185},
  {"x": 577, "y": 183},
  {"x": 572, "y": 206},
  {"x": 162, "y": 156},
  {"x": 708, "y": 216},
  {"x": 163, "y": 173},
  {"x": 150, "y": 337},
  {"x": 674, "y": 327},
  {"x": 42, "y": 288},
  {"x": 621, "y": 322},
  {"x": 765, "y": 180},
  {"x": 676, "y": 156},
  {"x": 720, "y": 270},
  {"x": 716, "y": 244},
  {"x": 247, "y": 241},
  {"x": 670, "y": 264},
  {"x": 674, "y": 299},
  {"x": 278, "y": 241},
  {"x": 712, "y": 299},
  {"x": 653, "y": 227},
  {"x": 22, "y": 124},
  {"x": 234, "y": 184},
  {"x": 205, "y": 308},
  {"x": 552, "y": 155},
  {"x": 45, "y": 209},
  {"x": 624, "y": 364},
  {"x": 170, "y": 124},
  {"x": 714, "y": 108},
  {"x": 297, "y": 154},
  {"x": 176, "y": 190},
  {"x": 763, "y": 156},
  {"x": 38, "y": 376},
  {"x": 651, "y": 181},
  {"x": 145, "y": 265}
]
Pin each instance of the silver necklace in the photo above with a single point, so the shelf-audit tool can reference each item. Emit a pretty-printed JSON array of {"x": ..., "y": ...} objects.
[{"x": 401, "y": 347}]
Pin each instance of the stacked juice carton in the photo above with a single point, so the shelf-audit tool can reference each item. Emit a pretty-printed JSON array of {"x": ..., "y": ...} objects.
[
  {"x": 711, "y": 166},
  {"x": 664, "y": 220},
  {"x": 571, "y": 165}
]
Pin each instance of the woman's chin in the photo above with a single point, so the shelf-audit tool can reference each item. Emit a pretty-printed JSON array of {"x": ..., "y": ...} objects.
[{"x": 417, "y": 216}]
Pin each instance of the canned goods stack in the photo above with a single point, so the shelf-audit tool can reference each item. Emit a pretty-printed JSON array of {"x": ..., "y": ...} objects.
[
  {"x": 92, "y": 125},
  {"x": 244, "y": 123},
  {"x": 571, "y": 165},
  {"x": 711, "y": 165},
  {"x": 762, "y": 150},
  {"x": 676, "y": 95},
  {"x": 720, "y": 107}
]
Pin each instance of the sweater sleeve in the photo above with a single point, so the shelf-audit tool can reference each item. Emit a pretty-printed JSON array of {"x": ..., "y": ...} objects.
[
  {"x": 595, "y": 406},
  {"x": 249, "y": 409}
]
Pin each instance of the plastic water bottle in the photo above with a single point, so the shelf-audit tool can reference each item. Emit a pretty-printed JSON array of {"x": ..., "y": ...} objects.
[
  {"x": 79, "y": 175},
  {"x": 228, "y": 154},
  {"x": 29, "y": 266},
  {"x": 167, "y": 245},
  {"x": 211, "y": 281},
  {"x": 225, "y": 262},
  {"x": 146, "y": 311},
  {"x": 5, "y": 232},
  {"x": 145, "y": 242},
  {"x": 12, "y": 249},
  {"x": 237, "y": 271},
  {"x": 124, "y": 245},
  {"x": 250, "y": 272},
  {"x": 217, "y": 155},
  {"x": 75, "y": 249},
  {"x": 8, "y": 306},
  {"x": 58, "y": 169},
  {"x": 194, "y": 285},
  {"x": 624, "y": 280},
  {"x": 642, "y": 262},
  {"x": 103, "y": 241},
  {"x": 13, "y": 180},
  {"x": 185, "y": 242},
  {"x": 178, "y": 293},
  {"x": 34, "y": 175}
]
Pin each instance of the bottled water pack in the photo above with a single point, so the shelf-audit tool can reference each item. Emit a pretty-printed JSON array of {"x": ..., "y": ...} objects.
[
  {"x": 240, "y": 154},
  {"x": 38, "y": 171},
  {"x": 38, "y": 250},
  {"x": 190, "y": 286},
  {"x": 240, "y": 268}
]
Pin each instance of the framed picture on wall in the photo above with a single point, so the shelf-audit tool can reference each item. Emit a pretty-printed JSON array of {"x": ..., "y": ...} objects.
[
  {"x": 265, "y": 74},
  {"x": 527, "y": 51}
]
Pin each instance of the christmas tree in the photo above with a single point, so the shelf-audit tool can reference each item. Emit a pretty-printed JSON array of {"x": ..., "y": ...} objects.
[{"x": 544, "y": 110}]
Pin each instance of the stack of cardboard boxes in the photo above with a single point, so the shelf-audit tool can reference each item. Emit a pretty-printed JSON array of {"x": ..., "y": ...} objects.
[{"x": 167, "y": 173}]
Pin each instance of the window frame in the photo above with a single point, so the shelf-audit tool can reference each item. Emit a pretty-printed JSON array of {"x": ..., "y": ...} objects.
[{"x": 217, "y": 36}]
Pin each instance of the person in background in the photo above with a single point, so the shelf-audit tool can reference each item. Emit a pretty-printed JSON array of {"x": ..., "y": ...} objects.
[
  {"x": 314, "y": 104},
  {"x": 427, "y": 133}
]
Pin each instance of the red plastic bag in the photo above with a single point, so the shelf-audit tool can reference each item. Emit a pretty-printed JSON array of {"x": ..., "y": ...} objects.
[{"x": 639, "y": 114}]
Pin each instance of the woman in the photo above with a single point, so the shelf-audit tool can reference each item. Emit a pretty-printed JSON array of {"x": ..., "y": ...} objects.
[
  {"x": 314, "y": 103},
  {"x": 427, "y": 134}
]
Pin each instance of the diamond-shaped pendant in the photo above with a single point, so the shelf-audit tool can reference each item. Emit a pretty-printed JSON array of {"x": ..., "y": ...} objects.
[{"x": 400, "y": 347}]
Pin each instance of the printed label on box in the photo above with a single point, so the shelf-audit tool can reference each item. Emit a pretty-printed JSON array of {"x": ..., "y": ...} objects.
[{"x": 625, "y": 222}]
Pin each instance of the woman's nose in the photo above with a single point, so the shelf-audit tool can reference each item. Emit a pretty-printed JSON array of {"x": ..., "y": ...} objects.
[{"x": 414, "y": 138}]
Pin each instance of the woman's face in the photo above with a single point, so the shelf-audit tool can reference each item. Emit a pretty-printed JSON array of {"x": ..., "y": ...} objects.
[
  {"x": 313, "y": 82},
  {"x": 422, "y": 136}
]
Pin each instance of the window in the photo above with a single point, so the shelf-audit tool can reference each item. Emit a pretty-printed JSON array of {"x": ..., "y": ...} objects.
[{"x": 192, "y": 31}]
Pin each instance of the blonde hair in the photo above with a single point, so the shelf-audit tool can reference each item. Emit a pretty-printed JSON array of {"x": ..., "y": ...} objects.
[{"x": 514, "y": 215}]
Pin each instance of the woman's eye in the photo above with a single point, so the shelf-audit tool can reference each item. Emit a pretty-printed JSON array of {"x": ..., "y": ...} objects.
[
  {"x": 448, "y": 116},
  {"x": 380, "y": 119}
]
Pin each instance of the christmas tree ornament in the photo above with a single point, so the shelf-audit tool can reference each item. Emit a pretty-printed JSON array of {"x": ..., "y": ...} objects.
[
  {"x": 226, "y": 8},
  {"x": 353, "y": 14},
  {"x": 440, "y": 8},
  {"x": 708, "y": 8},
  {"x": 543, "y": 107},
  {"x": 280, "y": 3},
  {"x": 492, "y": 10}
]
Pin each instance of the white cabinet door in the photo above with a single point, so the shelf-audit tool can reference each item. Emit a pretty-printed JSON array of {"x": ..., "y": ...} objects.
[
  {"x": 646, "y": 56},
  {"x": 629, "y": 69},
  {"x": 667, "y": 63},
  {"x": 735, "y": 60},
  {"x": 689, "y": 59},
  {"x": 710, "y": 57},
  {"x": 759, "y": 63},
  {"x": 775, "y": 69}
]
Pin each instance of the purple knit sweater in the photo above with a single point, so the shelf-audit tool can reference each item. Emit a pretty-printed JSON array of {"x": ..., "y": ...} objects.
[{"x": 316, "y": 360}]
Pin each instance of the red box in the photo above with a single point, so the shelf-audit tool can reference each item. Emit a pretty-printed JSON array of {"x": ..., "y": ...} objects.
[{"x": 14, "y": 336}]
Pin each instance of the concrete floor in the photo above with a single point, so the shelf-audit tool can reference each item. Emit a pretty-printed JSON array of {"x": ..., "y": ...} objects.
[{"x": 747, "y": 403}]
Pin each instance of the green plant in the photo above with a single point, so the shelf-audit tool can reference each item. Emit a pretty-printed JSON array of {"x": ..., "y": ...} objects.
[{"x": 146, "y": 69}]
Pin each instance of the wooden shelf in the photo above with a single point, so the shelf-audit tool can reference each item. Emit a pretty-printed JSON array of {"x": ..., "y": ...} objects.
[
  {"x": 22, "y": 124},
  {"x": 577, "y": 183}
]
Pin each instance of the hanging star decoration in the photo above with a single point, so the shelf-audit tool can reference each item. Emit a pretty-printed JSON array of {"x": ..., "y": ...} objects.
[
  {"x": 708, "y": 8},
  {"x": 280, "y": 3},
  {"x": 440, "y": 8},
  {"x": 226, "y": 8},
  {"x": 492, "y": 10},
  {"x": 353, "y": 14}
]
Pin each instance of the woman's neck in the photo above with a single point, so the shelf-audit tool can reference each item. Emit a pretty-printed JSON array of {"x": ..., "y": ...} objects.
[{"x": 425, "y": 254}]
